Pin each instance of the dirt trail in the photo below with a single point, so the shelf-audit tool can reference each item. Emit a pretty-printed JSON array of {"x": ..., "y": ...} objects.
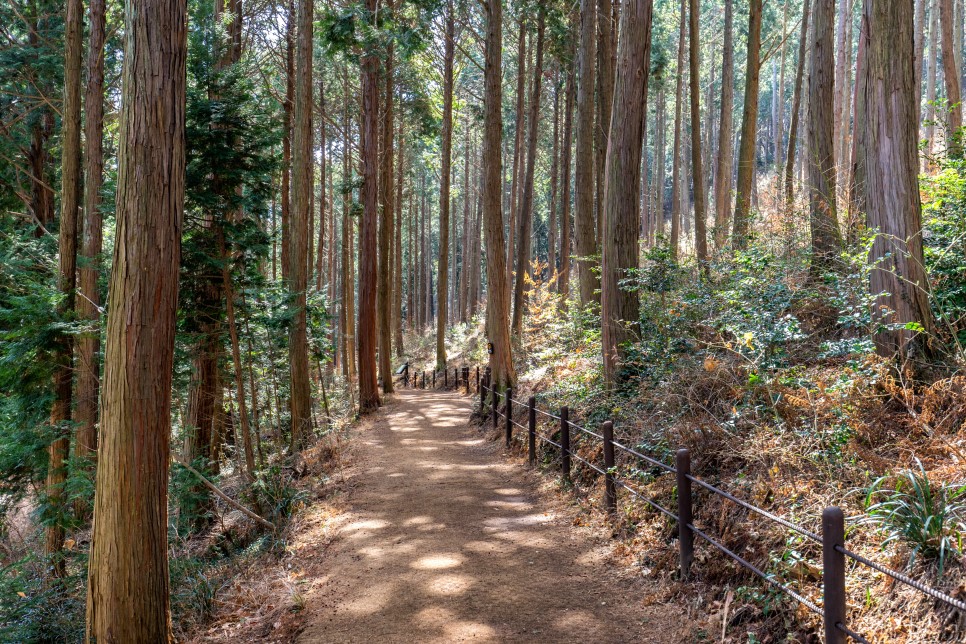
[{"x": 445, "y": 541}]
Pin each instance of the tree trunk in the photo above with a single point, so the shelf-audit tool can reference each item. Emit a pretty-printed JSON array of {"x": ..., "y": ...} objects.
[
  {"x": 88, "y": 304},
  {"x": 697, "y": 172},
  {"x": 368, "y": 230},
  {"x": 288, "y": 107},
  {"x": 796, "y": 108},
  {"x": 931, "y": 74},
  {"x": 563, "y": 280},
  {"x": 554, "y": 176},
  {"x": 749, "y": 128},
  {"x": 63, "y": 358},
  {"x": 951, "y": 77},
  {"x": 128, "y": 598},
  {"x": 619, "y": 307},
  {"x": 519, "y": 130},
  {"x": 525, "y": 213},
  {"x": 300, "y": 402},
  {"x": 676, "y": 152},
  {"x": 442, "y": 283},
  {"x": 384, "y": 297},
  {"x": 890, "y": 163},
  {"x": 726, "y": 153},
  {"x": 823, "y": 222},
  {"x": 497, "y": 310},
  {"x": 397, "y": 288},
  {"x": 920, "y": 41},
  {"x": 584, "y": 218}
]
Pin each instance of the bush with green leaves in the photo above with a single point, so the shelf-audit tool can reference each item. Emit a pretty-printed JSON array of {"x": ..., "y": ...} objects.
[
  {"x": 944, "y": 247},
  {"x": 273, "y": 492},
  {"x": 927, "y": 517}
]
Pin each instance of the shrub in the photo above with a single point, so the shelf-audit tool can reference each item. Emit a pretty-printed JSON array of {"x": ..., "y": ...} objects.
[{"x": 929, "y": 518}]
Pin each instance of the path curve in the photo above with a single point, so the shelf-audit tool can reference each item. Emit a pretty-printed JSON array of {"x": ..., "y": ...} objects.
[{"x": 446, "y": 541}]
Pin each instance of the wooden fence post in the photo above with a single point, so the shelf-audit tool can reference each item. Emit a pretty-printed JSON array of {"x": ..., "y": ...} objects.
[
  {"x": 466, "y": 379},
  {"x": 509, "y": 415},
  {"x": 494, "y": 397},
  {"x": 610, "y": 487},
  {"x": 446, "y": 377},
  {"x": 682, "y": 461},
  {"x": 532, "y": 430},
  {"x": 833, "y": 574},
  {"x": 434, "y": 379},
  {"x": 565, "y": 443},
  {"x": 477, "y": 377}
]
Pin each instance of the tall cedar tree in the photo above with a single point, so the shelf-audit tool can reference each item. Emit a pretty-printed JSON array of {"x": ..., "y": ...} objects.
[
  {"x": 525, "y": 213},
  {"x": 726, "y": 151},
  {"x": 497, "y": 305},
  {"x": 89, "y": 300},
  {"x": 128, "y": 597},
  {"x": 796, "y": 108},
  {"x": 677, "y": 152},
  {"x": 952, "y": 78},
  {"x": 890, "y": 161},
  {"x": 60, "y": 416},
  {"x": 823, "y": 223},
  {"x": 584, "y": 224},
  {"x": 697, "y": 171},
  {"x": 749, "y": 128},
  {"x": 622, "y": 182},
  {"x": 368, "y": 228},
  {"x": 386, "y": 232},
  {"x": 446, "y": 172}
]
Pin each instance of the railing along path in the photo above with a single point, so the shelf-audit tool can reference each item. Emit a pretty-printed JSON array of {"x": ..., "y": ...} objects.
[{"x": 832, "y": 539}]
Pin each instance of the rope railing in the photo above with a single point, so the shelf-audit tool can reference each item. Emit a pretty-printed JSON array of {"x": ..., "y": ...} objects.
[{"x": 831, "y": 539}]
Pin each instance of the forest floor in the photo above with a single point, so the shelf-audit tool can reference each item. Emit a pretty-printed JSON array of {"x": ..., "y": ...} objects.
[{"x": 439, "y": 538}]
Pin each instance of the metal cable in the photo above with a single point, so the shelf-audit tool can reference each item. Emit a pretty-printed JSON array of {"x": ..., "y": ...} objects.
[
  {"x": 585, "y": 430},
  {"x": 771, "y": 581},
  {"x": 653, "y": 504},
  {"x": 588, "y": 464},
  {"x": 848, "y": 631},
  {"x": 547, "y": 440},
  {"x": 523, "y": 427},
  {"x": 655, "y": 463},
  {"x": 777, "y": 519},
  {"x": 932, "y": 592},
  {"x": 547, "y": 414}
]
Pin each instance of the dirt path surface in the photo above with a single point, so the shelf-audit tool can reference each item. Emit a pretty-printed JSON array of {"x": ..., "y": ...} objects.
[{"x": 446, "y": 541}]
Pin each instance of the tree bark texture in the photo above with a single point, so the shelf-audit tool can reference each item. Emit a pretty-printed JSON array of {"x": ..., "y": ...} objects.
[
  {"x": 891, "y": 184},
  {"x": 127, "y": 599},
  {"x": 619, "y": 307}
]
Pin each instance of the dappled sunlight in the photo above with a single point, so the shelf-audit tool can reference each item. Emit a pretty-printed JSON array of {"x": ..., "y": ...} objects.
[
  {"x": 444, "y": 547},
  {"x": 436, "y": 562}
]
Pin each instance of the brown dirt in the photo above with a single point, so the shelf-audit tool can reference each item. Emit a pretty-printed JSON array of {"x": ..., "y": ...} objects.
[{"x": 443, "y": 540}]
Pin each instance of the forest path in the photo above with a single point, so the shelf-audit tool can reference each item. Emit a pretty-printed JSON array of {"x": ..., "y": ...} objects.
[{"x": 443, "y": 540}]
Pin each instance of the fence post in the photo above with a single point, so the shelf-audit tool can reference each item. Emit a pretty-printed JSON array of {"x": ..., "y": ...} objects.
[
  {"x": 509, "y": 415},
  {"x": 565, "y": 443},
  {"x": 477, "y": 377},
  {"x": 495, "y": 398},
  {"x": 682, "y": 463},
  {"x": 445, "y": 377},
  {"x": 456, "y": 377},
  {"x": 532, "y": 430},
  {"x": 424, "y": 379},
  {"x": 466, "y": 379},
  {"x": 482, "y": 397},
  {"x": 434, "y": 379},
  {"x": 610, "y": 488},
  {"x": 833, "y": 574}
]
